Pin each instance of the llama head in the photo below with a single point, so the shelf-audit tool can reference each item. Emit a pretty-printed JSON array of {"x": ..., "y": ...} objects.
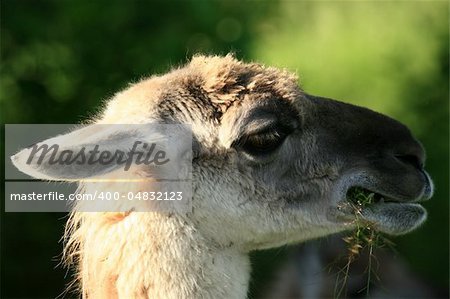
[{"x": 271, "y": 164}]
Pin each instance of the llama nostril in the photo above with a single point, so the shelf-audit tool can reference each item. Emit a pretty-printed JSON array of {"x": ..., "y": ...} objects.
[
  {"x": 429, "y": 186},
  {"x": 411, "y": 160}
]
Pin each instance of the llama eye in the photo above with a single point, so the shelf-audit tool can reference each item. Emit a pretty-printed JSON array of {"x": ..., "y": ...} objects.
[{"x": 263, "y": 143}]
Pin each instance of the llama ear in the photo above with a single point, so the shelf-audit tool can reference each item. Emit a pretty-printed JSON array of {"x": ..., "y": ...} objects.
[{"x": 96, "y": 150}]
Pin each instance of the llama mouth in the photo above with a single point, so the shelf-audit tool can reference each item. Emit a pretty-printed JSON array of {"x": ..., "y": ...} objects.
[{"x": 385, "y": 214}]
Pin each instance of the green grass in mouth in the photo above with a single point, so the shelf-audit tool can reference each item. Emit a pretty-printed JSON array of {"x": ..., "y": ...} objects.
[
  {"x": 363, "y": 237},
  {"x": 360, "y": 197}
]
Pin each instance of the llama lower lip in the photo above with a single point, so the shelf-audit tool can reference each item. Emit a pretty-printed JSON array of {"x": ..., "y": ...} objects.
[{"x": 394, "y": 218}]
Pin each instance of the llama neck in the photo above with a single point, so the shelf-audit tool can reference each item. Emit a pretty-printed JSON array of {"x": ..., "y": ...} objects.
[
  {"x": 221, "y": 274},
  {"x": 160, "y": 258}
]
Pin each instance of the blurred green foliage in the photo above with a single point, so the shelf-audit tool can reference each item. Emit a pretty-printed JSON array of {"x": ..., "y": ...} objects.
[{"x": 61, "y": 59}]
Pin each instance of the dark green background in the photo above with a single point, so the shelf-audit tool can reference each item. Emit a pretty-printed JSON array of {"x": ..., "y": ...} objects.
[{"x": 61, "y": 59}]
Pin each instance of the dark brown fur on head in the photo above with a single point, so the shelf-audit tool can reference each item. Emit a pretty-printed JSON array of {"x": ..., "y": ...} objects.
[{"x": 216, "y": 83}]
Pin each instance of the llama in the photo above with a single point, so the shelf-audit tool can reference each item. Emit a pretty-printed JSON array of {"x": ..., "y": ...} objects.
[{"x": 271, "y": 166}]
